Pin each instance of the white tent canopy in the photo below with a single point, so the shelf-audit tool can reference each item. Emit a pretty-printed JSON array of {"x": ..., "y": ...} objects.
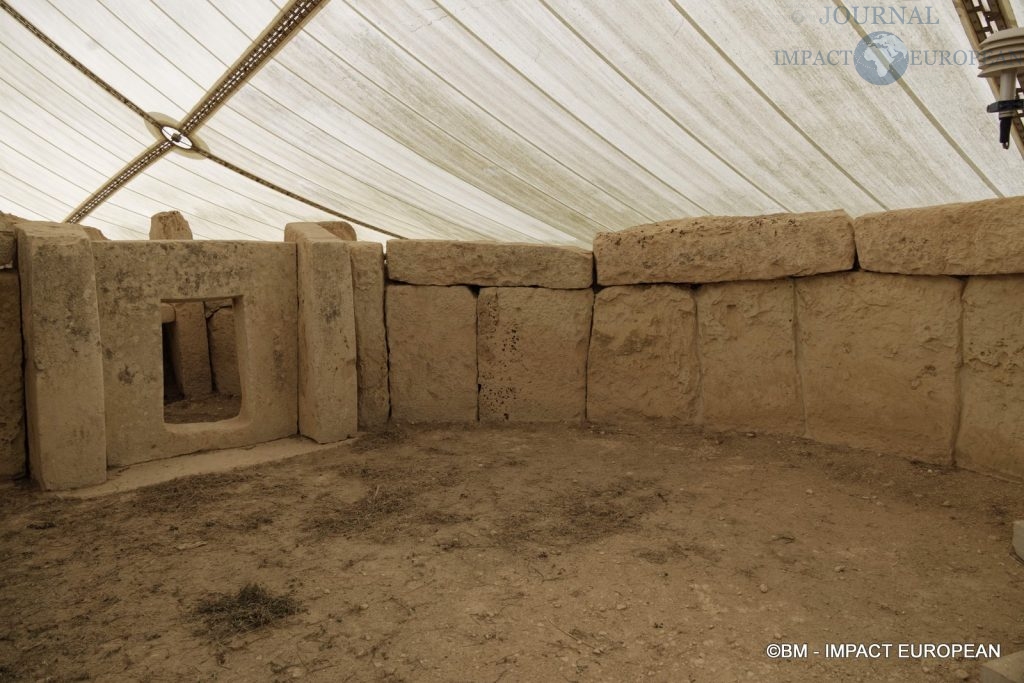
[{"x": 524, "y": 120}]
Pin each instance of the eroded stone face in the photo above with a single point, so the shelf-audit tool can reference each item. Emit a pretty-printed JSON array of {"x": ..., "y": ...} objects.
[
  {"x": 643, "y": 355},
  {"x": 975, "y": 238},
  {"x": 489, "y": 264},
  {"x": 131, "y": 280},
  {"x": 878, "y": 361},
  {"x": 532, "y": 347},
  {"x": 12, "y": 390},
  {"x": 224, "y": 351},
  {"x": 432, "y": 352},
  {"x": 367, "y": 259},
  {"x": 726, "y": 248},
  {"x": 169, "y": 225},
  {"x": 991, "y": 437},
  {"x": 189, "y": 348},
  {"x": 748, "y": 356},
  {"x": 63, "y": 356},
  {"x": 328, "y": 395}
]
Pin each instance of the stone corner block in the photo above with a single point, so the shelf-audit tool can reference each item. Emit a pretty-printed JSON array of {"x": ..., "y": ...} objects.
[
  {"x": 12, "y": 388},
  {"x": 367, "y": 262},
  {"x": 489, "y": 264},
  {"x": 1008, "y": 669},
  {"x": 725, "y": 248}
]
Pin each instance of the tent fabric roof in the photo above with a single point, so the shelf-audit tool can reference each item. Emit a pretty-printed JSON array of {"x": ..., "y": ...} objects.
[{"x": 522, "y": 120}]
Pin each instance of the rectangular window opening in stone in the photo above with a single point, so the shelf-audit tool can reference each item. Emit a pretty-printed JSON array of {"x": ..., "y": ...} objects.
[{"x": 200, "y": 361}]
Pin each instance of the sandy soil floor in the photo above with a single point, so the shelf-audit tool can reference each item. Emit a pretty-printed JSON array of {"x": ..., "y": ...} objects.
[{"x": 529, "y": 554}]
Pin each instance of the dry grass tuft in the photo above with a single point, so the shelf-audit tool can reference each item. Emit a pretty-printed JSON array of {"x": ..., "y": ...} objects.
[{"x": 252, "y": 607}]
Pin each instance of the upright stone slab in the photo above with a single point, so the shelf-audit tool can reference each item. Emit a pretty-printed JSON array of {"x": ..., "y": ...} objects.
[
  {"x": 991, "y": 436},
  {"x": 190, "y": 349},
  {"x": 532, "y": 346},
  {"x": 8, "y": 240},
  {"x": 12, "y": 389},
  {"x": 878, "y": 360},
  {"x": 432, "y": 353},
  {"x": 328, "y": 394},
  {"x": 975, "y": 238},
  {"x": 489, "y": 264},
  {"x": 726, "y": 248},
  {"x": 169, "y": 225},
  {"x": 95, "y": 234},
  {"x": 189, "y": 342},
  {"x": 224, "y": 351},
  {"x": 64, "y": 363},
  {"x": 748, "y": 356},
  {"x": 643, "y": 355},
  {"x": 371, "y": 337}
]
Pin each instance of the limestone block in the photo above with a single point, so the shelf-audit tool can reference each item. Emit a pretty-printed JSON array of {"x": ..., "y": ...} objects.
[
  {"x": 167, "y": 313},
  {"x": 132, "y": 278},
  {"x": 724, "y": 248},
  {"x": 1018, "y": 538},
  {"x": 489, "y": 264},
  {"x": 63, "y": 357},
  {"x": 367, "y": 260},
  {"x": 12, "y": 390},
  {"x": 643, "y": 355},
  {"x": 1008, "y": 669},
  {"x": 748, "y": 356},
  {"x": 343, "y": 230},
  {"x": 432, "y": 353},
  {"x": 328, "y": 393},
  {"x": 8, "y": 241},
  {"x": 532, "y": 346},
  {"x": 991, "y": 436},
  {"x": 878, "y": 360},
  {"x": 190, "y": 350},
  {"x": 975, "y": 238},
  {"x": 339, "y": 229},
  {"x": 94, "y": 233},
  {"x": 224, "y": 352},
  {"x": 169, "y": 225}
]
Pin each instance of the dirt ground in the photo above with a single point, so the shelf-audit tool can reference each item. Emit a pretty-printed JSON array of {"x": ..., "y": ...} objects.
[
  {"x": 212, "y": 408},
  {"x": 515, "y": 554}
]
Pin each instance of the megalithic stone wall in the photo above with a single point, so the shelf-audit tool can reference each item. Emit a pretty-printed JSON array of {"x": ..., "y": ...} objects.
[{"x": 12, "y": 387}]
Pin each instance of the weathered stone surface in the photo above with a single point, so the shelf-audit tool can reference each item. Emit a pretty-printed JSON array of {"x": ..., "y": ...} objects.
[
  {"x": 189, "y": 348},
  {"x": 64, "y": 366},
  {"x": 489, "y": 264},
  {"x": 1018, "y": 538},
  {"x": 94, "y": 233},
  {"x": 339, "y": 229},
  {"x": 748, "y": 356},
  {"x": 8, "y": 240},
  {"x": 532, "y": 346},
  {"x": 12, "y": 390},
  {"x": 878, "y": 360},
  {"x": 367, "y": 260},
  {"x": 131, "y": 280},
  {"x": 975, "y": 238},
  {"x": 724, "y": 248},
  {"x": 432, "y": 352},
  {"x": 343, "y": 230},
  {"x": 169, "y": 225},
  {"x": 166, "y": 313},
  {"x": 1008, "y": 669},
  {"x": 643, "y": 355},
  {"x": 224, "y": 352},
  {"x": 991, "y": 436},
  {"x": 328, "y": 393}
]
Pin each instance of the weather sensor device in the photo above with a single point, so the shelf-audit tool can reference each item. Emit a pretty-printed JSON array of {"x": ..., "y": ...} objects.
[{"x": 1001, "y": 58}]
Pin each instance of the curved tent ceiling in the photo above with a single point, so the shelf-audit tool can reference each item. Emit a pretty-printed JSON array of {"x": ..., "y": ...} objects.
[{"x": 523, "y": 120}]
